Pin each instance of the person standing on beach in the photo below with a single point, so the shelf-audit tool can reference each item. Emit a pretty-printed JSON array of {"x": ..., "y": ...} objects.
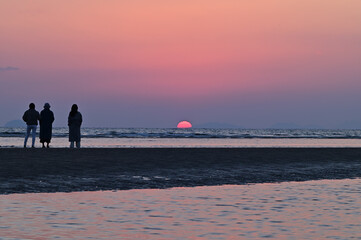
[
  {"x": 75, "y": 120},
  {"x": 31, "y": 117},
  {"x": 46, "y": 125}
]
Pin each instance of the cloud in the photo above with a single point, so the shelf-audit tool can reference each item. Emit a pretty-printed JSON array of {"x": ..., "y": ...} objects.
[{"x": 3, "y": 69}]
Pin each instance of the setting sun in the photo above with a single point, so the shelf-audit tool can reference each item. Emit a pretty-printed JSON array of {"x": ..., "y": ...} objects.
[{"x": 184, "y": 124}]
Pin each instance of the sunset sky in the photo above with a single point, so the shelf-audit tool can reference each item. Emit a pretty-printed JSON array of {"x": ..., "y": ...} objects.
[{"x": 144, "y": 63}]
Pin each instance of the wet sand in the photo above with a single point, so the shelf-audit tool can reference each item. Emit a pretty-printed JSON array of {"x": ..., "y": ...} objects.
[{"x": 88, "y": 169}]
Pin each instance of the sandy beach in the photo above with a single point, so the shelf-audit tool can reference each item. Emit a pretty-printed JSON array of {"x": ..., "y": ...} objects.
[{"x": 64, "y": 170}]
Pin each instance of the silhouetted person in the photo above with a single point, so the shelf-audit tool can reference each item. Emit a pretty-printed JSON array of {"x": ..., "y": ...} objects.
[
  {"x": 74, "y": 122},
  {"x": 46, "y": 125},
  {"x": 31, "y": 118}
]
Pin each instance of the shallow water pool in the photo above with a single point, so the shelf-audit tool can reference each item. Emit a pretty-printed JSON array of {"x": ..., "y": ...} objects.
[{"x": 323, "y": 209}]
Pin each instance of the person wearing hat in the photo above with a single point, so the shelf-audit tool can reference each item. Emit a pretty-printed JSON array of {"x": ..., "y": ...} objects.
[{"x": 46, "y": 125}]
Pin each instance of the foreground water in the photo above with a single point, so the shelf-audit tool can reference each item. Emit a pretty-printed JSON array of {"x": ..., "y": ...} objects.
[
  {"x": 186, "y": 143},
  {"x": 324, "y": 209}
]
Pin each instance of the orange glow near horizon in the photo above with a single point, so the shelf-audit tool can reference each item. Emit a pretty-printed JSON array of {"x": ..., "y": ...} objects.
[{"x": 184, "y": 124}]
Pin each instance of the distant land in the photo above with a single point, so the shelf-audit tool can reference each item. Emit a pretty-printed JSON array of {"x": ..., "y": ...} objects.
[
  {"x": 290, "y": 125},
  {"x": 15, "y": 123},
  {"x": 350, "y": 125},
  {"x": 216, "y": 125},
  {"x": 285, "y": 126}
]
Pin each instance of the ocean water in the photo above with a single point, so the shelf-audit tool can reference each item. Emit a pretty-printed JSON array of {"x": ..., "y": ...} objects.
[
  {"x": 173, "y": 137},
  {"x": 197, "y": 133},
  {"x": 324, "y": 209}
]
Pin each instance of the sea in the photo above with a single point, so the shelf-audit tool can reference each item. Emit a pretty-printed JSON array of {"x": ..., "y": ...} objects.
[
  {"x": 319, "y": 209},
  {"x": 193, "y": 137}
]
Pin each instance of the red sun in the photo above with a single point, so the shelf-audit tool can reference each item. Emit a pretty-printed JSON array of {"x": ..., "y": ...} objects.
[{"x": 184, "y": 124}]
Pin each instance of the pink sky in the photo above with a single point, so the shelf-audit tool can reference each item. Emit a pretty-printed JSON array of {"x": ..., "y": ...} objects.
[{"x": 196, "y": 53}]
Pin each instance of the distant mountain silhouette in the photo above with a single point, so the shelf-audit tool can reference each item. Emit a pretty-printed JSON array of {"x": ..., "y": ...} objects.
[
  {"x": 349, "y": 125},
  {"x": 215, "y": 125},
  {"x": 313, "y": 127},
  {"x": 290, "y": 125},
  {"x": 15, "y": 123},
  {"x": 286, "y": 125}
]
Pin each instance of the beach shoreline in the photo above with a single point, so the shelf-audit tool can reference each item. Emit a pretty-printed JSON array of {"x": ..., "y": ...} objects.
[{"x": 91, "y": 169}]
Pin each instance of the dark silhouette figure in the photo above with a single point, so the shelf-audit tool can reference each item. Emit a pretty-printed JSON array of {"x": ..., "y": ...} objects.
[
  {"x": 75, "y": 120},
  {"x": 46, "y": 125},
  {"x": 31, "y": 117}
]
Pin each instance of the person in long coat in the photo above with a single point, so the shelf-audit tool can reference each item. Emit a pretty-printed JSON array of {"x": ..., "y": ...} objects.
[
  {"x": 75, "y": 120},
  {"x": 46, "y": 125}
]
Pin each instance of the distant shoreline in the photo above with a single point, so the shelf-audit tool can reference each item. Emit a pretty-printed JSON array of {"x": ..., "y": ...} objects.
[{"x": 90, "y": 169}]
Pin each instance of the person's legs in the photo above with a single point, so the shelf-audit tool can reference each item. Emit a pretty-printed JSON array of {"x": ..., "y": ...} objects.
[
  {"x": 47, "y": 144},
  {"x": 78, "y": 144},
  {"x": 33, "y": 128},
  {"x": 28, "y": 128},
  {"x": 72, "y": 144}
]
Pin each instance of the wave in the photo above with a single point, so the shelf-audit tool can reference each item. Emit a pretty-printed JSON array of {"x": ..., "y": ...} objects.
[{"x": 197, "y": 133}]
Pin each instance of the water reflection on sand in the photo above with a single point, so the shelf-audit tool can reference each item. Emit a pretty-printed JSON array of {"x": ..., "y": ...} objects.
[
  {"x": 190, "y": 142},
  {"x": 306, "y": 210}
]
